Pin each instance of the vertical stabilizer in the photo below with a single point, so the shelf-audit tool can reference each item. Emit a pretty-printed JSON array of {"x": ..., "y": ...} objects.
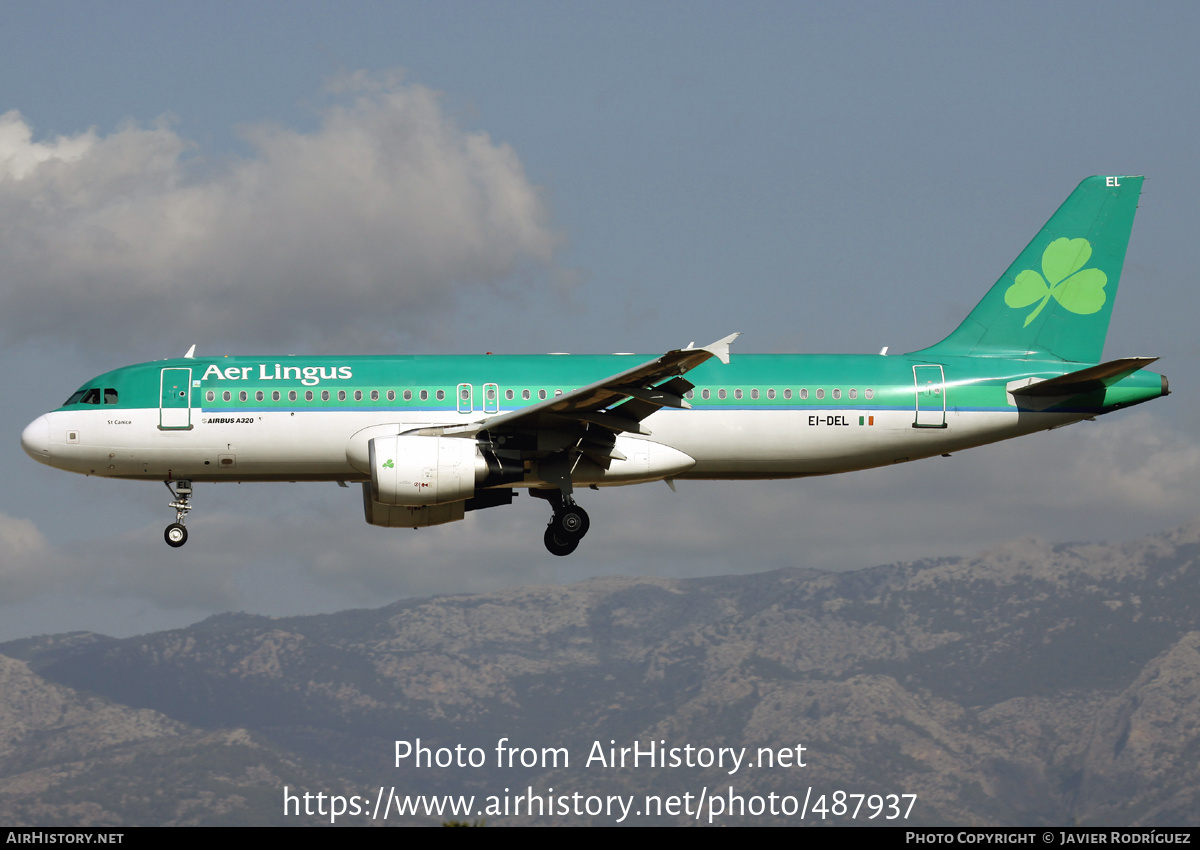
[{"x": 1056, "y": 299}]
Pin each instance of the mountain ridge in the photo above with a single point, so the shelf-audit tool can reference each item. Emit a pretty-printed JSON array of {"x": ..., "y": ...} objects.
[{"x": 1027, "y": 684}]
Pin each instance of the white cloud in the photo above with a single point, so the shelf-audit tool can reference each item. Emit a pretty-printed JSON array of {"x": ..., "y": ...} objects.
[
  {"x": 366, "y": 228},
  {"x": 19, "y": 154},
  {"x": 25, "y": 557}
]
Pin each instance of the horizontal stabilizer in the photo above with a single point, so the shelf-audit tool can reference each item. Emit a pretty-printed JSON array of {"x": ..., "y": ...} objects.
[{"x": 1085, "y": 380}]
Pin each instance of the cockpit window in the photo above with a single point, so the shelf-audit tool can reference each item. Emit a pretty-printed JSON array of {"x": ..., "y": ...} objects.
[{"x": 92, "y": 395}]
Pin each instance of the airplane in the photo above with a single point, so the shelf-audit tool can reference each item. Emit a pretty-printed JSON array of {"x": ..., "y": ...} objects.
[{"x": 431, "y": 438}]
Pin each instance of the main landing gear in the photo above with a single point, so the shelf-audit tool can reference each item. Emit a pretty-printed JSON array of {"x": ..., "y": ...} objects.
[
  {"x": 568, "y": 524},
  {"x": 176, "y": 532}
]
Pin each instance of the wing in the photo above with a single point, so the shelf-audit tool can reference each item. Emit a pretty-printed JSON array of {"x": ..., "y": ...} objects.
[
  {"x": 617, "y": 403},
  {"x": 586, "y": 421}
]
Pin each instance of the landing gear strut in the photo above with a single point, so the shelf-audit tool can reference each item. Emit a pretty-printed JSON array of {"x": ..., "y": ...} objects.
[
  {"x": 176, "y": 532},
  {"x": 568, "y": 524}
]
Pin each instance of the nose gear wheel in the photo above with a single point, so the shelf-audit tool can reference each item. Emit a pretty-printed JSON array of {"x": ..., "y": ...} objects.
[
  {"x": 181, "y": 500},
  {"x": 175, "y": 535}
]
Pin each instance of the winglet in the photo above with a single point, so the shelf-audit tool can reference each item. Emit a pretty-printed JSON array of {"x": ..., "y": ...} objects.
[
  {"x": 191, "y": 353},
  {"x": 720, "y": 348}
]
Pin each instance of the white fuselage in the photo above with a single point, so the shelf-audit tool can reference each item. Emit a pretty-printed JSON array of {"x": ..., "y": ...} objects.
[{"x": 312, "y": 445}]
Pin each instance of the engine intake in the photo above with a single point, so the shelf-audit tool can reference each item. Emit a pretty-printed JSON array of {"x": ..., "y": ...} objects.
[{"x": 408, "y": 470}]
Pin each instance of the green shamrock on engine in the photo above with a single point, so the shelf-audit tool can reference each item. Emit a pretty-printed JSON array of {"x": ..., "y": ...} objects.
[
  {"x": 1078, "y": 289},
  {"x": 388, "y": 464}
]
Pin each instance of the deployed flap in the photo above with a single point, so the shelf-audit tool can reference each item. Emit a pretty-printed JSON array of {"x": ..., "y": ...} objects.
[
  {"x": 592, "y": 404},
  {"x": 1085, "y": 380}
]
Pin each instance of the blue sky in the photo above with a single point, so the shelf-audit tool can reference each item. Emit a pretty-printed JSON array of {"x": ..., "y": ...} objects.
[{"x": 524, "y": 177}]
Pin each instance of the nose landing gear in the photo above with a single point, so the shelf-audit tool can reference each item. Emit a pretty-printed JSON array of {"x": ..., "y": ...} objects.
[{"x": 176, "y": 533}]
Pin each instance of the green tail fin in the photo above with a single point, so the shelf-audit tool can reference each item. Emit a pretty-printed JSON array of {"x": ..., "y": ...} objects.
[{"x": 1056, "y": 299}]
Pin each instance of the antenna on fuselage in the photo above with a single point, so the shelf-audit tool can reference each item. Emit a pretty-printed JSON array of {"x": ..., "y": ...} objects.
[
  {"x": 882, "y": 351},
  {"x": 191, "y": 354}
]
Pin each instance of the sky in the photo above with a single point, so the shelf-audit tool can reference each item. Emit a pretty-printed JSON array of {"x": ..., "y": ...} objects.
[{"x": 459, "y": 177}]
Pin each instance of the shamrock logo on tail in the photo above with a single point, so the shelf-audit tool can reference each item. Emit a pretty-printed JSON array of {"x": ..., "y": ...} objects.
[
  {"x": 387, "y": 464},
  {"x": 1081, "y": 292}
]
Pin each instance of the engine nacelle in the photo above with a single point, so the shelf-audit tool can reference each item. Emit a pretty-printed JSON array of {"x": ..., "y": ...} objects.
[
  {"x": 407, "y": 470},
  {"x": 409, "y": 516}
]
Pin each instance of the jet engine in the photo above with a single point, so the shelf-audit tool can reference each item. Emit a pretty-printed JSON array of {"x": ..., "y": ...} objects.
[
  {"x": 408, "y": 470},
  {"x": 418, "y": 481}
]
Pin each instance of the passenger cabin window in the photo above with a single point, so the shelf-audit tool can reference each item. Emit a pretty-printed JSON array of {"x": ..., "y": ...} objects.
[
  {"x": 441, "y": 395},
  {"x": 392, "y": 395},
  {"x": 275, "y": 395},
  {"x": 424, "y": 395},
  {"x": 210, "y": 396},
  {"x": 374, "y": 395},
  {"x": 820, "y": 393},
  {"x": 508, "y": 395},
  {"x": 341, "y": 395},
  {"x": 291, "y": 395},
  {"x": 525, "y": 395},
  {"x": 324, "y": 395},
  {"x": 226, "y": 396},
  {"x": 242, "y": 396},
  {"x": 787, "y": 393},
  {"x": 803, "y": 394},
  {"x": 258, "y": 396}
]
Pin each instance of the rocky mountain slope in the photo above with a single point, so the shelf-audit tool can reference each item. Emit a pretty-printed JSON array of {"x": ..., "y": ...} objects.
[{"x": 1029, "y": 684}]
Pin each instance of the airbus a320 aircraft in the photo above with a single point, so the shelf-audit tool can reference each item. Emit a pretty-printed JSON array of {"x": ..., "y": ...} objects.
[{"x": 431, "y": 438}]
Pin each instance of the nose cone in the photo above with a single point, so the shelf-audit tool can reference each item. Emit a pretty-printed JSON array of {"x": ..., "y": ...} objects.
[{"x": 35, "y": 439}]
